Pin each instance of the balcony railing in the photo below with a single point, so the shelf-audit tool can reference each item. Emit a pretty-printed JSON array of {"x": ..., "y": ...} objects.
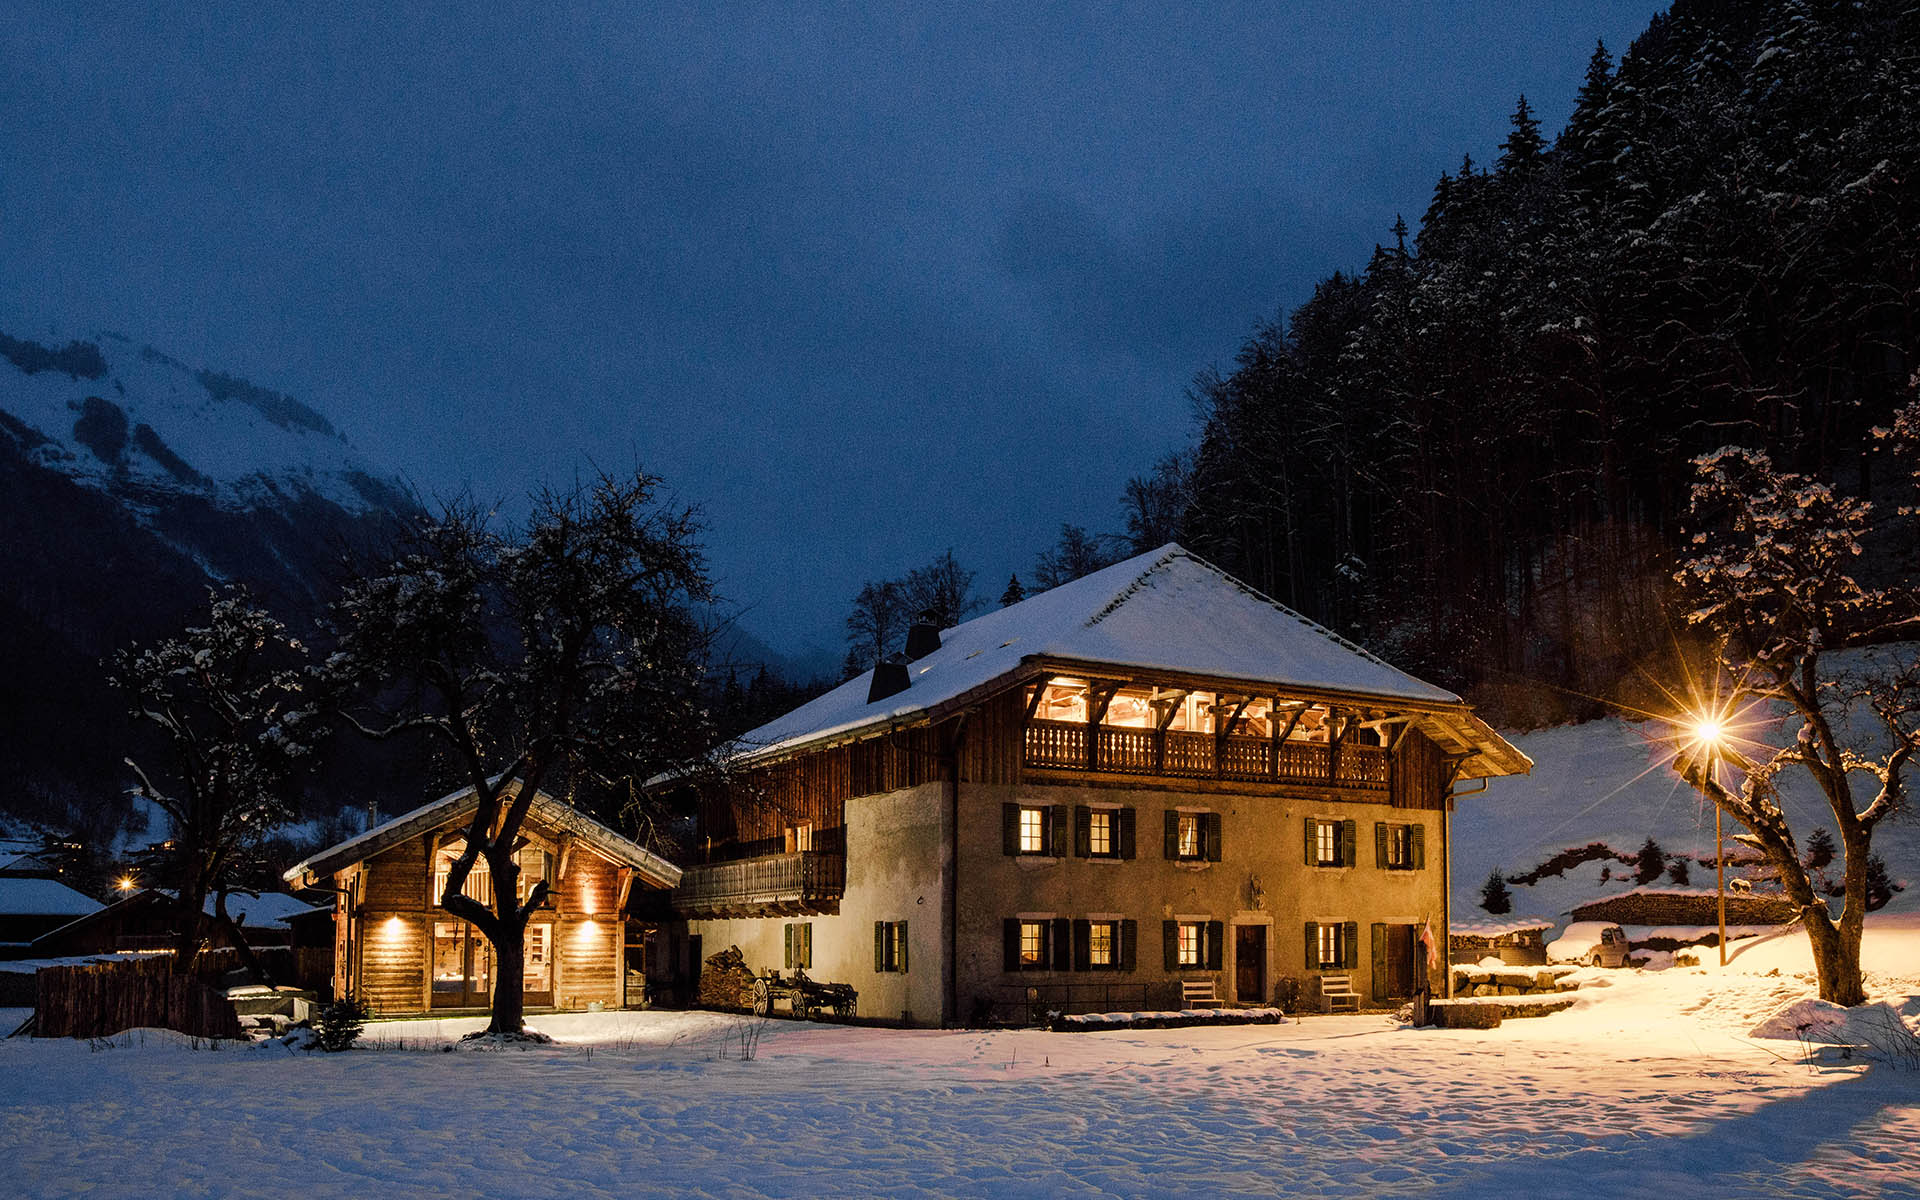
[
  {"x": 807, "y": 882},
  {"x": 1062, "y": 745}
]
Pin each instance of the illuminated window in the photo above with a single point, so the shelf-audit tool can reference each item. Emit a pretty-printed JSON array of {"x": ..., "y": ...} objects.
[
  {"x": 1033, "y": 831},
  {"x": 1033, "y": 944},
  {"x": 1100, "y": 944},
  {"x": 1193, "y": 836},
  {"x": 539, "y": 959},
  {"x": 479, "y": 884},
  {"x": 1327, "y": 844},
  {"x": 1192, "y": 943},
  {"x": 1327, "y": 946},
  {"x": 800, "y": 837},
  {"x": 1100, "y": 832},
  {"x": 1399, "y": 846}
]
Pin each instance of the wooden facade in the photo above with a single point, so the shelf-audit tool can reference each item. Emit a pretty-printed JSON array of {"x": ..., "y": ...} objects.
[{"x": 399, "y": 951}]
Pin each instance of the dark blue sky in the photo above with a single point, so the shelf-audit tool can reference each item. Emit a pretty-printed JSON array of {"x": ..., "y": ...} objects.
[{"x": 864, "y": 284}]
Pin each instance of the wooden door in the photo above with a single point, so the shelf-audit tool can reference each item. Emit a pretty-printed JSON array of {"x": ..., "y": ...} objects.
[{"x": 1250, "y": 964}]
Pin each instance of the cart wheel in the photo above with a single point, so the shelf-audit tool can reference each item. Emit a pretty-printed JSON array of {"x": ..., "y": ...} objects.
[
  {"x": 843, "y": 1009},
  {"x": 800, "y": 1010},
  {"x": 762, "y": 998}
]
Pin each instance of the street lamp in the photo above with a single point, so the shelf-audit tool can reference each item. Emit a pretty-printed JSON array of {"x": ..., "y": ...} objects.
[
  {"x": 1708, "y": 733},
  {"x": 125, "y": 883}
]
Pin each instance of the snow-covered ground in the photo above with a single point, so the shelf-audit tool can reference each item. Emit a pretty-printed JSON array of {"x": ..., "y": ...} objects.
[
  {"x": 1611, "y": 781},
  {"x": 1650, "y": 1086}
]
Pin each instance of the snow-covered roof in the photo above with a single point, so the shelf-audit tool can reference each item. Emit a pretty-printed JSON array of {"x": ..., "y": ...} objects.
[
  {"x": 1166, "y": 611},
  {"x": 1500, "y": 927},
  {"x": 458, "y": 805},
  {"x": 267, "y": 910},
  {"x": 43, "y": 897}
]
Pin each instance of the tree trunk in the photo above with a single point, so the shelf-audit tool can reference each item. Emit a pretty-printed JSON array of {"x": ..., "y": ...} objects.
[
  {"x": 1836, "y": 960},
  {"x": 509, "y": 972}
]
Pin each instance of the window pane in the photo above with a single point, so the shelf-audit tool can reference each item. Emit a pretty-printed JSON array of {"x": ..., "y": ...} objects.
[
  {"x": 1100, "y": 944},
  {"x": 1033, "y": 943},
  {"x": 1189, "y": 944},
  {"x": 1329, "y": 945},
  {"x": 1326, "y": 843},
  {"x": 1189, "y": 841},
  {"x": 1100, "y": 832},
  {"x": 1033, "y": 831},
  {"x": 539, "y": 959}
]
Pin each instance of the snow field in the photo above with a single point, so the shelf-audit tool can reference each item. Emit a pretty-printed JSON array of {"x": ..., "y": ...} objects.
[{"x": 1651, "y": 1086}]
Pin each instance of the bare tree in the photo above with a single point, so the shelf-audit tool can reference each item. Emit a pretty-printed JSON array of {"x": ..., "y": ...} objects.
[
  {"x": 942, "y": 590},
  {"x": 1772, "y": 581},
  {"x": 566, "y": 654},
  {"x": 1076, "y": 554},
  {"x": 229, "y": 699}
]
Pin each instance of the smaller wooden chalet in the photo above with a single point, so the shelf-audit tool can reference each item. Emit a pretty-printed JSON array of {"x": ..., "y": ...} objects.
[{"x": 399, "y": 951}]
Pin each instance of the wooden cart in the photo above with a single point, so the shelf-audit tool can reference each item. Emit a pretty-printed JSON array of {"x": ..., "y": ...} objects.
[{"x": 804, "y": 996}]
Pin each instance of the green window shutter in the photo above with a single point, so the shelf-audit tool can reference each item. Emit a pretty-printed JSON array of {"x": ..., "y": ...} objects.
[
  {"x": 1350, "y": 945},
  {"x": 1380, "y": 844},
  {"x": 1010, "y": 828},
  {"x": 1170, "y": 943},
  {"x": 1126, "y": 833},
  {"x": 1349, "y": 845},
  {"x": 1173, "y": 834},
  {"x": 1212, "y": 836},
  {"x": 1312, "y": 858},
  {"x": 879, "y": 946},
  {"x": 1060, "y": 944},
  {"x": 1379, "y": 962},
  {"x": 1418, "y": 835},
  {"x": 1057, "y": 834},
  {"x": 1082, "y": 951},
  {"x": 1313, "y": 946},
  {"x": 789, "y": 932},
  {"x": 1010, "y": 940},
  {"x": 1129, "y": 945},
  {"x": 900, "y": 956},
  {"x": 1082, "y": 831},
  {"x": 1216, "y": 936}
]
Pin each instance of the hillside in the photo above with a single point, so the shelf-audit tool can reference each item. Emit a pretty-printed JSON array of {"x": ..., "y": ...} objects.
[
  {"x": 128, "y": 483},
  {"x": 1609, "y": 781}
]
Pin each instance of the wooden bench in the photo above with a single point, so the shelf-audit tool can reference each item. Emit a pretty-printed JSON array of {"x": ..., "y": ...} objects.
[
  {"x": 1337, "y": 994},
  {"x": 1198, "y": 993}
]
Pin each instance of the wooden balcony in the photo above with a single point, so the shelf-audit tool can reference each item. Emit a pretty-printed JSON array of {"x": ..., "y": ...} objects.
[
  {"x": 1062, "y": 745},
  {"x": 773, "y": 885}
]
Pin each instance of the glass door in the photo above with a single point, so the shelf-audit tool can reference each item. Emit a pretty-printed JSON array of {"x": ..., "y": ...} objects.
[{"x": 462, "y": 966}]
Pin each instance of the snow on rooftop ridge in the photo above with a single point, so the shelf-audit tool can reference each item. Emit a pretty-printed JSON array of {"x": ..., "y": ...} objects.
[
  {"x": 1172, "y": 550},
  {"x": 1166, "y": 610}
]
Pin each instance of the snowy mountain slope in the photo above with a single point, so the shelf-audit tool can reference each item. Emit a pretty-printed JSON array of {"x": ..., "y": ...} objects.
[
  {"x": 1611, "y": 781},
  {"x": 134, "y": 421},
  {"x": 128, "y": 484}
]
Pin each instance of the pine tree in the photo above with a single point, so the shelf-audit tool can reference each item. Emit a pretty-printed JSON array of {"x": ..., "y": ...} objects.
[
  {"x": 1494, "y": 896},
  {"x": 1677, "y": 872},
  {"x": 1014, "y": 593},
  {"x": 1820, "y": 850},
  {"x": 1523, "y": 145},
  {"x": 1650, "y": 863}
]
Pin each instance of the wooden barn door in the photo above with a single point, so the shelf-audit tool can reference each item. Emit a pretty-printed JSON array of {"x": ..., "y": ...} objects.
[{"x": 1394, "y": 948}]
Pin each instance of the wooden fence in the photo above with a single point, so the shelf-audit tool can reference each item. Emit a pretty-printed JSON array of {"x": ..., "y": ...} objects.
[{"x": 101, "y": 999}]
